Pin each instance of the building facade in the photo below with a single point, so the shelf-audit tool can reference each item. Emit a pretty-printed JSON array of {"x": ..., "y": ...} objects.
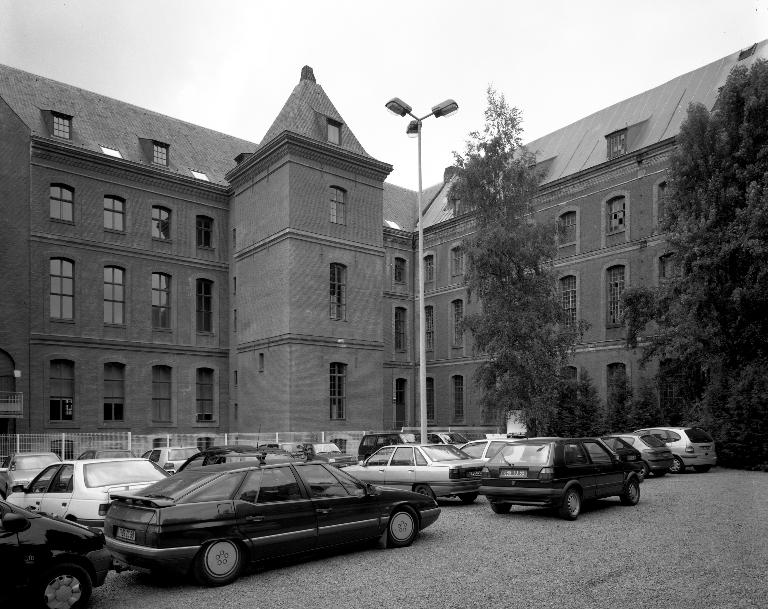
[{"x": 160, "y": 277}]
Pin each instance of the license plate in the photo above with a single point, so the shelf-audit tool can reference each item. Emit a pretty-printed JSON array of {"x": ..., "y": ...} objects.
[
  {"x": 475, "y": 474},
  {"x": 514, "y": 473},
  {"x": 126, "y": 534}
]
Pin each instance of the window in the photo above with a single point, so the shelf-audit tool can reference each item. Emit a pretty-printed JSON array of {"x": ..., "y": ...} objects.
[
  {"x": 568, "y": 298},
  {"x": 114, "y": 392},
  {"x": 617, "y": 143},
  {"x": 204, "y": 305},
  {"x": 457, "y": 306},
  {"x": 62, "y": 288},
  {"x": 61, "y": 202},
  {"x": 234, "y": 320},
  {"x": 161, "y": 301},
  {"x": 62, "y": 125},
  {"x": 204, "y": 394},
  {"x": 204, "y": 231},
  {"x": 458, "y": 397},
  {"x": 334, "y": 132},
  {"x": 429, "y": 268},
  {"x": 401, "y": 386},
  {"x": 261, "y": 362},
  {"x": 668, "y": 268},
  {"x": 430, "y": 399},
  {"x": 400, "y": 325},
  {"x": 616, "y": 377},
  {"x": 429, "y": 328},
  {"x": 457, "y": 262},
  {"x": 567, "y": 227},
  {"x": 338, "y": 205},
  {"x": 338, "y": 390},
  {"x": 114, "y": 295},
  {"x": 670, "y": 388},
  {"x": 661, "y": 202},
  {"x": 597, "y": 453},
  {"x": 62, "y": 387},
  {"x": 569, "y": 373},
  {"x": 114, "y": 213},
  {"x": 161, "y": 223},
  {"x": 161, "y": 394},
  {"x": 338, "y": 284},
  {"x": 234, "y": 377},
  {"x": 399, "y": 270},
  {"x": 615, "y": 286},
  {"x": 615, "y": 215},
  {"x": 160, "y": 153}
]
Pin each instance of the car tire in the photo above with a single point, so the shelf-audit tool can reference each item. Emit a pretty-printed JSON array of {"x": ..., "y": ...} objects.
[
  {"x": 678, "y": 467},
  {"x": 500, "y": 508},
  {"x": 631, "y": 493},
  {"x": 424, "y": 489},
  {"x": 468, "y": 497},
  {"x": 64, "y": 585},
  {"x": 402, "y": 528},
  {"x": 571, "y": 506},
  {"x": 646, "y": 471},
  {"x": 218, "y": 563},
  {"x": 702, "y": 469}
]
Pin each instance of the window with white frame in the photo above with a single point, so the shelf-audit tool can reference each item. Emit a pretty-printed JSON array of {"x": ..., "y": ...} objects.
[
  {"x": 338, "y": 390},
  {"x": 568, "y": 298},
  {"x": 615, "y": 215},
  {"x": 338, "y": 292}
]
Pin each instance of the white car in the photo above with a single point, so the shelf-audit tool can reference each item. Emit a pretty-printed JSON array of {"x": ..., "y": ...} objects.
[
  {"x": 485, "y": 449},
  {"x": 170, "y": 458},
  {"x": 80, "y": 491}
]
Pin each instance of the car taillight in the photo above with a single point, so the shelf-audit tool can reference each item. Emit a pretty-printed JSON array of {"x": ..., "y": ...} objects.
[
  {"x": 689, "y": 449},
  {"x": 454, "y": 473},
  {"x": 546, "y": 474},
  {"x": 152, "y": 534},
  {"x": 103, "y": 507}
]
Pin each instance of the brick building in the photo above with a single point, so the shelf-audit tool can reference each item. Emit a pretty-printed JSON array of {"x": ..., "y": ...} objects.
[{"x": 162, "y": 277}]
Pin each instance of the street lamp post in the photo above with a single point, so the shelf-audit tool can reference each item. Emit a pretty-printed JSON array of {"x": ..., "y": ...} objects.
[{"x": 446, "y": 108}]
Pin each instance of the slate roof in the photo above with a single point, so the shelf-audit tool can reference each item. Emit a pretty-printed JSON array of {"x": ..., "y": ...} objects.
[
  {"x": 307, "y": 112},
  {"x": 102, "y": 121}
]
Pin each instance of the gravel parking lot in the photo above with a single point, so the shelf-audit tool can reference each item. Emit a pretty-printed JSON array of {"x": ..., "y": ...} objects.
[{"x": 694, "y": 541}]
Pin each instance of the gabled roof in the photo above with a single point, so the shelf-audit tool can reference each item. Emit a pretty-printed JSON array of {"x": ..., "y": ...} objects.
[
  {"x": 400, "y": 206},
  {"x": 307, "y": 112},
  {"x": 650, "y": 117},
  {"x": 102, "y": 121}
]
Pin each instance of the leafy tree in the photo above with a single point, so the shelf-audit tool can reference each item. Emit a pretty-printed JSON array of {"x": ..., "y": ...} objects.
[
  {"x": 644, "y": 410},
  {"x": 518, "y": 325},
  {"x": 578, "y": 411},
  {"x": 710, "y": 320}
]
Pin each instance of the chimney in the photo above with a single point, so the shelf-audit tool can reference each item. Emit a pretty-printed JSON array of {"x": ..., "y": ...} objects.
[{"x": 307, "y": 74}]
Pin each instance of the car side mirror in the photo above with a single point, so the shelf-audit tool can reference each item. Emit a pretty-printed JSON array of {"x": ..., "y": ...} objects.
[
  {"x": 18, "y": 488},
  {"x": 15, "y": 523},
  {"x": 372, "y": 490}
]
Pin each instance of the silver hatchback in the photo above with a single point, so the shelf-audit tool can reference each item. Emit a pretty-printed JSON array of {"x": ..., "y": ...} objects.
[{"x": 690, "y": 446}]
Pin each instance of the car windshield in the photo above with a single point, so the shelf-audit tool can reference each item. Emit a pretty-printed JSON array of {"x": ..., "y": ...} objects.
[
  {"x": 326, "y": 448},
  {"x": 120, "y": 472},
  {"x": 523, "y": 454},
  {"x": 444, "y": 452},
  {"x": 652, "y": 441},
  {"x": 698, "y": 435},
  {"x": 181, "y": 454},
  {"x": 35, "y": 461}
]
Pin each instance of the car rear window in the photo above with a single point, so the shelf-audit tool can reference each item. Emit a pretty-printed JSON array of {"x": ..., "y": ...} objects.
[
  {"x": 474, "y": 450},
  {"x": 652, "y": 441},
  {"x": 35, "y": 461},
  {"x": 326, "y": 448},
  {"x": 444, "y": 452},
  {"x": 530, "y": 454},
  {"x": 120, "y": 472},
  {"x": 698, "y": 435}
]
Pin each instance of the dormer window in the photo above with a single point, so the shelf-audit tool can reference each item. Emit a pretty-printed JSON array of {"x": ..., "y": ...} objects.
[
  {"x": 617, "y": 143},
  {"x": 62, "y": 125},
  {"x": 334, "y": 132},
  {"x": 160, "y": 153}
]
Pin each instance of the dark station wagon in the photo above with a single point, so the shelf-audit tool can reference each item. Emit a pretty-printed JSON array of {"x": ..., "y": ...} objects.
[
  {"x": 559, "y": 473},
  {"x": 210, "y": 521}
]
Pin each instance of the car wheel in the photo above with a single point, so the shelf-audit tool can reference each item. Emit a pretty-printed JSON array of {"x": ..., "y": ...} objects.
[
  {"x": 402, "y": 528},
  {"x": 571, "y": 507},
  {"x": 500, "y": 508},
  {"x": 678, "y": 467},
  {"x": 631, "y": 493},
  {"x": 64, "y": 586},
  {"x": 646, "y": 471},
  {"x": 424, "y": 489},
  {"x": 218, "y": 563},
  {"x": 702, "y": 469},
  {"x": 468, "y": 497}
]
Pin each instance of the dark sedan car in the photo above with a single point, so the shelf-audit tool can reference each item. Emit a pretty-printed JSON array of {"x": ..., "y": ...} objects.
[
  {"x": 655, "y": 456},
  {"x": 558, "y": 473},
  {"x": 52, "y": 563},
  {"x": 210, "y": 522}
]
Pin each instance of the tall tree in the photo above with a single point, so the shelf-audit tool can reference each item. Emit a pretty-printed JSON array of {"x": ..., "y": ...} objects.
[
  {"x": 518, "y": 324},
  {"x": 711, "y": 326}
]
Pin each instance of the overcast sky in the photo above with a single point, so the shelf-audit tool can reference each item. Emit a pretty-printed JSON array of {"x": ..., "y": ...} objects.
[{"x": 231, "y": 65}]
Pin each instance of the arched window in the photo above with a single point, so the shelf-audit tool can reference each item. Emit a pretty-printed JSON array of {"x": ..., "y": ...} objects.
[
  {"x": 400, "y": 329},
  {"x": 161, "y": 301},
  {"x": 338, "y": 285},
  {"x": 457, "y": 261},
  {"x": 568, "y": 298},
  {"x": 204, "y": 230},
  {"x": 161, "y": 394},
  {"x": 114, "y": 392},
  {"x": 204, "y": 394},
  {"x": 457, "y": 308},
  {"x": 114, "y": 213},
  {"x": 62, "y": 390},
  {"x": 457, "y": 383},
  {"x": 62, "y": 200},
  {"x": 338, "y": 205},
  {"x": 62, "y": 290},
  {"x": 204, "y": 305},
  {"x": 615, "y": 215},
  {"x": 614, "y": 280},
  {"x": 114, "y": 295},
  {"x": 429, "y": 268},
  {"x": 161, "y": 223},
  {"x": 338, "y": 390},
  {"x": 429, "y": 328},
  {"x": 399, "y": 270},
  {"x": 567, "y": 228}
]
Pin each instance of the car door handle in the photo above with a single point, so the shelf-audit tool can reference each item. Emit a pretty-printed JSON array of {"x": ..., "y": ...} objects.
[
  {"x": 323, "y": 510},
  {"x": 254, "y": 518},
  {"x": 64, "y": 504}
]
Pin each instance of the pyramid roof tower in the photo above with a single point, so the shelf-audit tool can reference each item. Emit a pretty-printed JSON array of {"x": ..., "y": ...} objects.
[{"x": 307, "y": 112}]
